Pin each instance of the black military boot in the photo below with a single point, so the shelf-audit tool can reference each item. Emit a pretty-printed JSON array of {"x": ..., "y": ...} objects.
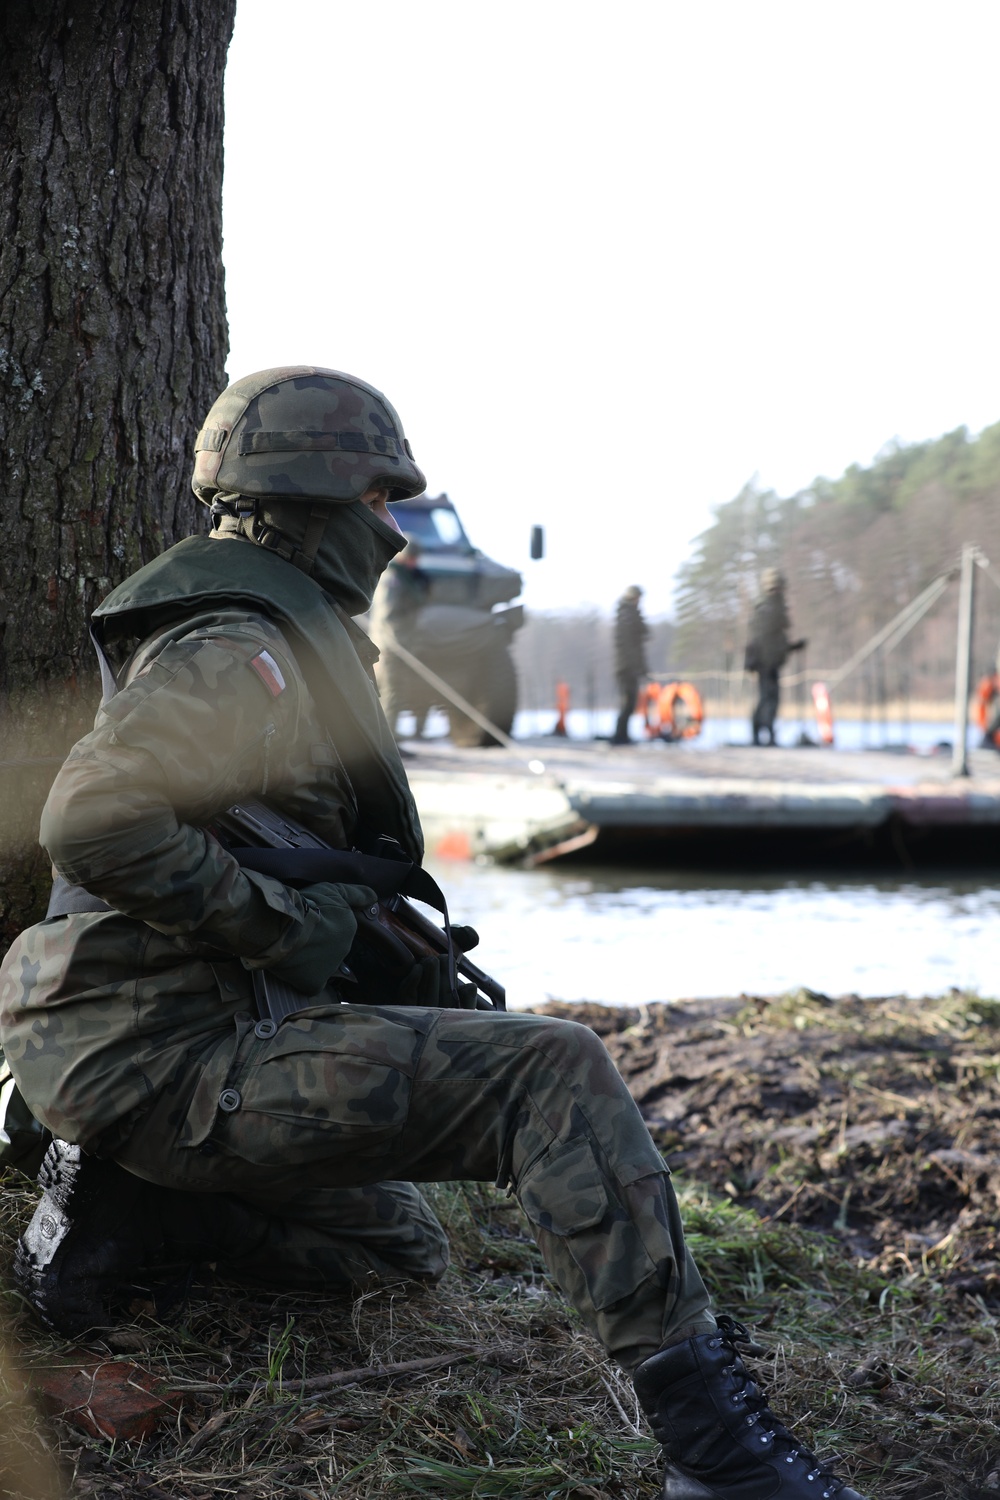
[
  {"x": 720, "y": 1437},
  {"x": 97, "y": 1227}
]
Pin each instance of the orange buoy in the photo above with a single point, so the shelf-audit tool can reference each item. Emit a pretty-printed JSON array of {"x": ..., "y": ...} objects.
[
  {"x": 986, "y": 690},
  {"x": 824, "y": 712},
  {"x": 562, "y": 708},
  {"x": 454, "y": 845},
  {"x": 676, "y": 711}
]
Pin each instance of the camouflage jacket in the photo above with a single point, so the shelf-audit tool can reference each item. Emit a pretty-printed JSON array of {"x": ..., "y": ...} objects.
[
  {"x": 630, "y": 634},
  {"x": 767, "y": 645},
  {"x": 98, "y": 1009}
]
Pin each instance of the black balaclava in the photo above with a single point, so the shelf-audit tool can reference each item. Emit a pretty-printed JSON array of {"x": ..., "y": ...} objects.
[{"x": 354, "y": 549}]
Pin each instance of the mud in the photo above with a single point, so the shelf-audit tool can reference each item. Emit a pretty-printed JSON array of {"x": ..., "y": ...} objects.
[{"x": 875, "y": 1120}]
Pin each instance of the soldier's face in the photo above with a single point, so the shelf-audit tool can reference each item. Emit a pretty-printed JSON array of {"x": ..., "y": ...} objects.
[{"x": 376, "y": 500}]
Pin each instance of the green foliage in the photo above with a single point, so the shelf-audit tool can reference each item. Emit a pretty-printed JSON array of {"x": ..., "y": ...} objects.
[
  {"x": 745, "y": 539},
  {"x": 748, "y": 1263},
  {"x": 854, "y": 550}
]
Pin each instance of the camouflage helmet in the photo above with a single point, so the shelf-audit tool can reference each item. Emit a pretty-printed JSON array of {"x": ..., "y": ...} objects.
[{"x": 303, "y": 433}]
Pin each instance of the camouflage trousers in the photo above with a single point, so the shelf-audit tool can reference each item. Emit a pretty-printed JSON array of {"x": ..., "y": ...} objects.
[
  {"x": 327, "y": 1123},
  {"x": 768, "y": 697},
  {"x": 628, "y": 693}
]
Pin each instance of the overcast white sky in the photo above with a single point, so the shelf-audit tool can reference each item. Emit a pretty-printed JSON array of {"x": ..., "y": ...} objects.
[{"x": 610, "y": 262}]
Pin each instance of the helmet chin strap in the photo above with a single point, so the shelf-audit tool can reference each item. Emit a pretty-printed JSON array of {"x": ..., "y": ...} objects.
[
  {"x": 236, "y": 515},
  {"x": 305, "y": 558}
]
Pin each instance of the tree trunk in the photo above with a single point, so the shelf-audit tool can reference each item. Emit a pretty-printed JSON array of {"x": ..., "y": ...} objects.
[{"x": 113, "y": 343}]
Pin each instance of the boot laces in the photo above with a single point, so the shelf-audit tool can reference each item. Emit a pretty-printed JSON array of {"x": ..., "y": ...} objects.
[{"x": 759, "y": 1414}]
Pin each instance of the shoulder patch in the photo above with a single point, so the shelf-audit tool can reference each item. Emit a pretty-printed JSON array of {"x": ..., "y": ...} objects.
[{"x": 269, "y": 672}]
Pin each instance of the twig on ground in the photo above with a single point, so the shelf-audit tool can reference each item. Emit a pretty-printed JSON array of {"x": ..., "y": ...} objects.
[{"x": 376, "y": 1372}]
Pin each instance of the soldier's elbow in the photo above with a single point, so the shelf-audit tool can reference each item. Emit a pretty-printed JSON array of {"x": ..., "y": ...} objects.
[{"x": 76, "y": 829}]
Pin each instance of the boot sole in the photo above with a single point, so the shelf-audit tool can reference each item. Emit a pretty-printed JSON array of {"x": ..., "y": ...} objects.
[{"x": 36, "y": 1271}]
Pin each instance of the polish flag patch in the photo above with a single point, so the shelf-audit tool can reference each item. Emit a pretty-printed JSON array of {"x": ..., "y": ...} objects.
[{"x": 269, "y": 672}]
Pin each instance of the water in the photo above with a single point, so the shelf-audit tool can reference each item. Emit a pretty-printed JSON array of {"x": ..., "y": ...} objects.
[
  {"x": 622, "y": 936},
  {"x": 850, "y": 734}
]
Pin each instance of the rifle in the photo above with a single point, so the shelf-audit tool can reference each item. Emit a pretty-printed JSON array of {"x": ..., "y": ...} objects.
[{"x": 274, "y": 844}]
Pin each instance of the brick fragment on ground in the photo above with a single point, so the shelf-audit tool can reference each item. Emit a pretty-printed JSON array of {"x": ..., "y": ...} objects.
[{"x": 106, "y": 1398}]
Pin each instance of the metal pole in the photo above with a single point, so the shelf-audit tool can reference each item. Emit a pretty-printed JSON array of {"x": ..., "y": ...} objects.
[{"x": 963, "y": 661}]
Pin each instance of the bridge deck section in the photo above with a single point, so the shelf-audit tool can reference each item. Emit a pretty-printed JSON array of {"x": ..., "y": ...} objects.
[{"x": 491, "y": 801}]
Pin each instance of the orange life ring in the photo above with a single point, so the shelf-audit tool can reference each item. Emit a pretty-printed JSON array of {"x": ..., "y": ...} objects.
[
  {"x": 986, "y": 691},
  {"x": 676, "y": 712},
  {"x": 824, "y": 712}
]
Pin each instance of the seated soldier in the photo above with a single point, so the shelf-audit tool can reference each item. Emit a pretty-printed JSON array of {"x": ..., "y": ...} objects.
[{"x": 186, "y": 1124}]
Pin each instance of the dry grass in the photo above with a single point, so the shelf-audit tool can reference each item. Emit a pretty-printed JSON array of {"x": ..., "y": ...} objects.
[
  {"x": 881, "y": 1360},
  {"x": 520, "y": 1403}
]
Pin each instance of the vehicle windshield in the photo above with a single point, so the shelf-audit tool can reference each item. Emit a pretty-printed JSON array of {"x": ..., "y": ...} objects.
[{"x": 438, "y": 529}]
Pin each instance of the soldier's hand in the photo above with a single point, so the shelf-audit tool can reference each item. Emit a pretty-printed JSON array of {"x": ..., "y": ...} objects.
[
  {"x": 394, "y": 967},
  {"x": 427, "y": 984},
  {"x": 324, "y": 938}
]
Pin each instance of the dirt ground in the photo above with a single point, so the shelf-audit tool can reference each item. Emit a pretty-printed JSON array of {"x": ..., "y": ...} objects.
[{"x": 875, "y": 1120}]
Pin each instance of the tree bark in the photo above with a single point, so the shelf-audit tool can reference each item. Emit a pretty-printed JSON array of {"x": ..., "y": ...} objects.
[{"x": 113, "y": 342}]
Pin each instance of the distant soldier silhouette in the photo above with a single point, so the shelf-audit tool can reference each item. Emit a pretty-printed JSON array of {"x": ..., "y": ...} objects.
[
  {"x": 631, "y": 631},
  {"x": 768, "y": 648}
]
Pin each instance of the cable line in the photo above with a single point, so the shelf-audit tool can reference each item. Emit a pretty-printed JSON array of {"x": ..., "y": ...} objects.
[{"x": 890, "y": 635}]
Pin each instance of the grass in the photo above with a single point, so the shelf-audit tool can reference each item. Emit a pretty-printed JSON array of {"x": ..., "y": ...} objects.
[{"x": 876, "y": 1358}]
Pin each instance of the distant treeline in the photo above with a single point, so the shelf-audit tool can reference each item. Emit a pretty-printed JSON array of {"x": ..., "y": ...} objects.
[{"x": 854, "y": 552}]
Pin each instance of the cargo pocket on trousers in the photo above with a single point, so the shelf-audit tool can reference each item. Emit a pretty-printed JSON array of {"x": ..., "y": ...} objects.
[
  {"x": 314, "y": 1090},
  {"x": 565, "y": 1194}
]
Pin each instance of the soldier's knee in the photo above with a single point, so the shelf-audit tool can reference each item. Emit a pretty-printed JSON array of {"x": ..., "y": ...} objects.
[
  {"x": 423, "y": 1253},
  {"x": 435, "y": 1250},
  {"x": 576, "y": 1047},
  {"x": 431, "y": 1266}
]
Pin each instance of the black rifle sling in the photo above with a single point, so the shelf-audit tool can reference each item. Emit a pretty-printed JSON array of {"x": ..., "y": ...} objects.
[{"x": 387, "y": 877}]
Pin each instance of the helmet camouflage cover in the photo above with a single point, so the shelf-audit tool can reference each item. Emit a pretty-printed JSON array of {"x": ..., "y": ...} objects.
[{"x": 303, "y": 433}]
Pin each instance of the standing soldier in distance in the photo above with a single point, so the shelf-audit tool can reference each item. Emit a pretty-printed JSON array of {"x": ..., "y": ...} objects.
[
  {"x": 768, "y": 648},
  {"x": 630, "y": 633},
  {"x": 186, "y": 1128}
]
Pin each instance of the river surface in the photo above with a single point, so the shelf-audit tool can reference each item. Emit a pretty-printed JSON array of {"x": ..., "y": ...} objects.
[
  {"x": 627, "y": 936},
  {"x": 889, "y": 732}
]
